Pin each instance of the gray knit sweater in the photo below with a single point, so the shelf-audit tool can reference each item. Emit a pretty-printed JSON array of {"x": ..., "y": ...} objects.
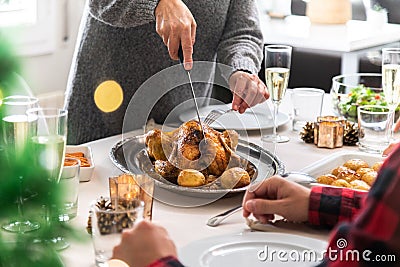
[{"x": 117, "y": 41}]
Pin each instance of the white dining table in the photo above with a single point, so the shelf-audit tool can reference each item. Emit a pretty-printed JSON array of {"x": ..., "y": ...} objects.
[
  {"x": 186, "y": 225},
  {"x": 350, "y": 41}
]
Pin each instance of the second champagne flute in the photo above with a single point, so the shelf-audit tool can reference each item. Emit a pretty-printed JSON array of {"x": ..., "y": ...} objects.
[
  {"x": 48, "y": 146},
  {"x": 277, "y": 70},
  {"x": 391, "y": 81}
]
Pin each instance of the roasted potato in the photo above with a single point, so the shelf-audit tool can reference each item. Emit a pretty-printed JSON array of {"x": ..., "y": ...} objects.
[
  {"x": 355, "y": 164},
  {"x": 361, "y": 185},
  {"x": 348, "y": 175},
  {"x": 369, "y": 177},
  {"x": 362, "y": 171},
  {"x": 341, "y": 183},
  {"x": 235, "y": 178},
  {"x": 377, "y": 166},
  {"x": 191, "y": 178},
  {"x": 326, "y": 179},
  {"x": 339, "y": 169}
]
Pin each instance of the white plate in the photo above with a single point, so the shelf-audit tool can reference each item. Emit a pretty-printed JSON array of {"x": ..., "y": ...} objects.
[
  {"x": 258, "y": 117},
  {"x": 244, "y": 250}
]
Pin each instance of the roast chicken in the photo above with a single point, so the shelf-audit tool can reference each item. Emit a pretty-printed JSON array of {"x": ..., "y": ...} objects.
[{"x": 186, "y": 148}]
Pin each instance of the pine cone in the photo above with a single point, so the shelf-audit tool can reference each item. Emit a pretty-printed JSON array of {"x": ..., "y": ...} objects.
[
  {"x": 109, "y": 222},
  {"x": 102, "y": 204},
  {"x": 350, "y": 134},
  {"x": 307, "y": 133}
]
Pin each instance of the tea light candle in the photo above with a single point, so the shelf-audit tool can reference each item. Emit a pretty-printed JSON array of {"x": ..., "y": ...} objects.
[{"x": 329, "y": 132}]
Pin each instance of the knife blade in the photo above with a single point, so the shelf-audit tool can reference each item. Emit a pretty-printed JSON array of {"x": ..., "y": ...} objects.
[{"x": 180, "y": 55}]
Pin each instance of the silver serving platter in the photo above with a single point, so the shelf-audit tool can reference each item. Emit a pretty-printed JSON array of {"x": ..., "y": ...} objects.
[{"x": 130, "y": 156}]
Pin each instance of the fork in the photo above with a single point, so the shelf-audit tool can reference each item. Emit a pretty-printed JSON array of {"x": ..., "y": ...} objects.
[{"x": 214, "y": 115}]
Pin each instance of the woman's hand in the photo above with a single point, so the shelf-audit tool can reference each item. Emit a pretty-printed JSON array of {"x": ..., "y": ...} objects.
[
  {"x": 248, "y": 90},
  {"x": 276, "y": 195},
  {"x": 144, "y": 244},
  {"x": 176, "y": 25}
]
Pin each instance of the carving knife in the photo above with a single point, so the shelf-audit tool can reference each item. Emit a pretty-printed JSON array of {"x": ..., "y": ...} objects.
[{"x": 180, "y": 55}]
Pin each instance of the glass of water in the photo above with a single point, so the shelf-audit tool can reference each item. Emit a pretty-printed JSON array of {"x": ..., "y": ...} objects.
[
  {"x": 69, "y": 182},
  {"x": 374, "y": 125}
]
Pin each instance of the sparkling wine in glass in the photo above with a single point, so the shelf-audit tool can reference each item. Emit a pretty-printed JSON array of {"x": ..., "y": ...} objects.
[
  {"x": 16, "y": 130},
  {"x": 277, "y": 70},
  {"x": 48, "y": 146},
  {"x": 391, "y": 80}
]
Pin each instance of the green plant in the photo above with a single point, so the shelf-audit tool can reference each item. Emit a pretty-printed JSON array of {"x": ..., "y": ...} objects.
[
  {"x": 377, "y": 7},
  {"x": 22, "y": 250}
]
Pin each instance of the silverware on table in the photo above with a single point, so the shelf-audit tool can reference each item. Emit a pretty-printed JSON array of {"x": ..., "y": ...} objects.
[
  {"x": 297, "y": 177},
  {"x": 300, "y": 177},
  {"x": 180, "y": 55},
  {"x": 215, "y": 114},
  {"x": 216, "y": 220}
]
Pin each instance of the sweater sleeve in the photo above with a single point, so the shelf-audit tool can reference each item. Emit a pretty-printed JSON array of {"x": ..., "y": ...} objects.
[
  {"x": 241, "y": 42},
  {"x": 123, "y": 13},
  {"x": 330, "y": 205}
]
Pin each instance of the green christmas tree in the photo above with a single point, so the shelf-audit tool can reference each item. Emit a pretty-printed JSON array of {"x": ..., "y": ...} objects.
[{"x": 24, "y": 249}]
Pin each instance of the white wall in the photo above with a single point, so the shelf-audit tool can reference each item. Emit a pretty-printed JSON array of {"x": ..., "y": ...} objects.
[{"x": 47, "y": 74}]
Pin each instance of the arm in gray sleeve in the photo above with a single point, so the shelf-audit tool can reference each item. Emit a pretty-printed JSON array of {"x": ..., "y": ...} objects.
[
  {"x": 123, "y": 13},
  {"x": 241, "y": 43}
]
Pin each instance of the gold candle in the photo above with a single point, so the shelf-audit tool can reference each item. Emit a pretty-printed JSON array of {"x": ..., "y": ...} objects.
[
  {"x": 127, "y": 189},
  {"x": 329, "y": 132}
]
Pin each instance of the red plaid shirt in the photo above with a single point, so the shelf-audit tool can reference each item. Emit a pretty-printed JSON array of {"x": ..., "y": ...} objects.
[
  {"x": 368, "y": 225},
  {"x": 169, "y": 261}
]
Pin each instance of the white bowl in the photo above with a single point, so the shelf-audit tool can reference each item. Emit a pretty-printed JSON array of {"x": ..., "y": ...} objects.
[{"x": 85, "y": 172}]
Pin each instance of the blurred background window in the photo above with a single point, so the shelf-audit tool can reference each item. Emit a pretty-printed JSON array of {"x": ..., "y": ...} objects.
[
  {"x": 30, "y": 23},
  {"x": 18, "y": 12}
]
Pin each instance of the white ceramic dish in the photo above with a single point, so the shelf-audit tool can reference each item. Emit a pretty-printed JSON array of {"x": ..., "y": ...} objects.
[
  {"x": 255, "y": 118},
  {"x": 85, "y": 172},
  {"x": 327, "y": 164},
  {"x": 244, "y": 250}
]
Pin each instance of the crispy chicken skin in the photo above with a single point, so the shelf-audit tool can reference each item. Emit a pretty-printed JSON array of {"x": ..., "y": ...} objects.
[{"x": 189, "y": 152}]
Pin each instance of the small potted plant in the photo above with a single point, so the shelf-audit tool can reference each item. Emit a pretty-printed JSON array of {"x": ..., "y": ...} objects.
[{"x": 377, "y": 16}]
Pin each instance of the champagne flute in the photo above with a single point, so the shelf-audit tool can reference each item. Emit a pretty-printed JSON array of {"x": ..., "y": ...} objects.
[
  {"x": 16, "y": 131},
  {"x": 391, "y": 80},
  {"x": 48, "y": 146},
  {"x": 277, "y": 70}
]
